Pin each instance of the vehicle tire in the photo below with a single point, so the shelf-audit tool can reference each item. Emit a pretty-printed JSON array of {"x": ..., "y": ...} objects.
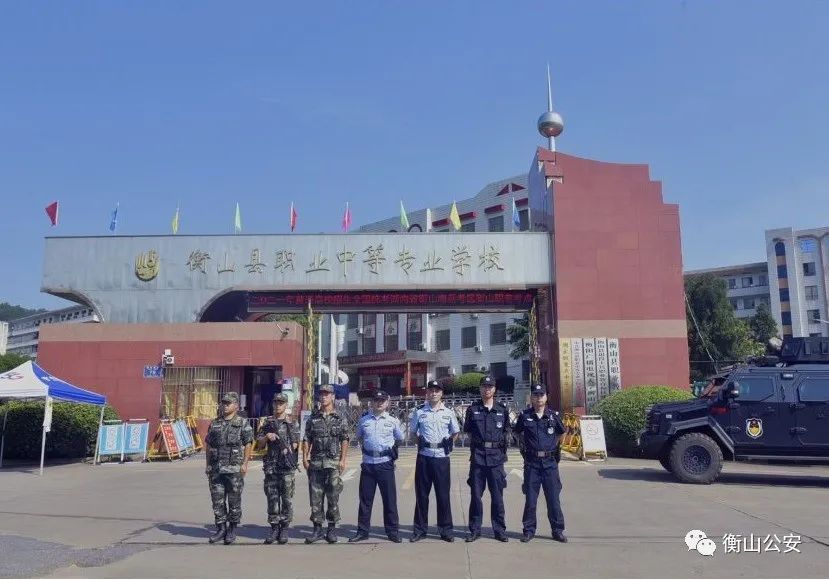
[
  {"x": 665, "y": 461},
  {"x": 696, "y": 458}
]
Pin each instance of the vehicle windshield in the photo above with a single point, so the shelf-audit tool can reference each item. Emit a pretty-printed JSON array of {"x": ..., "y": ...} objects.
[{"x": 712, "y": 389}]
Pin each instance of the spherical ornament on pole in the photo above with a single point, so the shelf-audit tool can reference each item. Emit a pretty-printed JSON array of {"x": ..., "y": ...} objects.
[{"x": 550, "y": 124}]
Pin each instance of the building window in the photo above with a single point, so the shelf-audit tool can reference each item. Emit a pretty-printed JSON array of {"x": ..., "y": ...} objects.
[
  {"x": 786, "y": 318},
  {"x": 811, "y": 292},
  {"x": 414, "y": 332},
  {"x": 468, "y": 369},
  {"x": 442, "y": 340},
  {"x": 748, "y": 281},
  {"x": 369, "y": 344},
  {"x": 813, "y": 316},
  {"x": 748, "y": 303},
  {"x": 469, "y": 336},
  {"x": 784, "y": 295},
  {"x": 442, "y": 372},
  {"x": 369, "y": 333},
  {"x": 351, "y": 348},
  {"x": 734, "y": 303},
  {"x": 353, "y": 320},
  {"x": 809, "y": 269},
  {"x": 779, "y": 249},
  {"x": 763, "y": 280},
  {"x": 498, "y": 370},
  {"x": 524, "y": 220},
  {"x": 525, "y": 370},
  {"x": 468, "y": 227},
  {"x": 732, "y": 283},
  {"x": 496, "y": 224},
  {"x": 498, "y": 333},
  {"x": 390, "y": 332},
  {"x": 782, "y": 272},
  {"x": 808, "y": 245}
]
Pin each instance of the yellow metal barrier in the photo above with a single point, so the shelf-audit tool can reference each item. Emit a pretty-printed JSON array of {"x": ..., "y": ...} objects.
[{"x": 571, "y": 441}]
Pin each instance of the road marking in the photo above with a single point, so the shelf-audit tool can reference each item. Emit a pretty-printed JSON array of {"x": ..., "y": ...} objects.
[{"x": 409, "y": 479}]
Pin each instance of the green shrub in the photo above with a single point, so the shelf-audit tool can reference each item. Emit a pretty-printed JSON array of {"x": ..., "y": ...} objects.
[
  {"x": 73, "y": 434},
  {"x": 623, "y": 414},
  {"x": 465, "y": 383}
]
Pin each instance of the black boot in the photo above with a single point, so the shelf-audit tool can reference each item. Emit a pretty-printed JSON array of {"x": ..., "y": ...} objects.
[
  {"x": 316, "y": 535},
  {"x": 273, "y": 535},
  {"x": 282, "y": 538},
  {"x": 331, "y": 534},
  {"x": 219, "y": 535},
  {"x": 230, "y": 536}
]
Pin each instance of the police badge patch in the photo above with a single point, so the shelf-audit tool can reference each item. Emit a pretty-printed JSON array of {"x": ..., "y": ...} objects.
[
  {"x": 499, "y": 425},
  {"x": 754, "y": 427},
  {"x": 550, "y": 430}
]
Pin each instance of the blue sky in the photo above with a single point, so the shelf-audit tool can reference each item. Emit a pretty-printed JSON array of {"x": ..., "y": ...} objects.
[{"x": 152, "y": 104}]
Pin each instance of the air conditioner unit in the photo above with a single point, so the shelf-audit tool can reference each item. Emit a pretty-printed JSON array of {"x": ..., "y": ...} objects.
[
  {"x": 478, "y": 348},
  {"x": 360, "y": 330},
  {"x": 473, "y": 316},
  {"x": 423, "y": 346},
  {"x": 168, "y": 360}
]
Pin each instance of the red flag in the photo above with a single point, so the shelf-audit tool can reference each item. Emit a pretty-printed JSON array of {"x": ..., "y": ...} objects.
[
  {"x": 294, "y": 215},
  {"x": 52, "y": 212},
  {"x": 347, "y": 218}
]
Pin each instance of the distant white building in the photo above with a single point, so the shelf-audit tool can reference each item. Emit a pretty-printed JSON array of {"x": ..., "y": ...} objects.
[
  {"x": 23, "y": 332},
  {"x": 377, "y": 349},
  {"x": 748, "y": 286},
  {"x": 4, "y": 336},
  {"x": 793, "y": 281}
]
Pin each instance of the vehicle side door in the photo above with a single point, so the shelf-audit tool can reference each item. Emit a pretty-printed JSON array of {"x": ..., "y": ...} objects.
[
  {"x": 757, "y": 424},
  {"x": 813, "y": 413}
]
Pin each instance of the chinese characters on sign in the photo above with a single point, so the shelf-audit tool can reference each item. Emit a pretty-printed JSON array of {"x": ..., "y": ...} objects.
[
  {"x": 737, "y": 543},
  {"x": 596, "y": 370}
]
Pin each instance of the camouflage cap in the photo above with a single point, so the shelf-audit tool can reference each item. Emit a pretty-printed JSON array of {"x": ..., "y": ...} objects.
[
  {"x": 280, "y": 398},
  {"x": 326, "y": 388},
  {"x": 230, "y": 397}
]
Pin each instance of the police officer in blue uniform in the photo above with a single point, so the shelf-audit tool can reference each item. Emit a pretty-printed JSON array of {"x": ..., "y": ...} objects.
[
  {"x": 436, "y": 429},
  {"x": 487, "y": 423},
  {"x": 379, "y": 434},
  {"x": 539, "y": 430}
]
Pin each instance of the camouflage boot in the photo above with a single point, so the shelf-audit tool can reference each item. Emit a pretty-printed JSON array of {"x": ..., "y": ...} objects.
[
  {"x": 219, "y": 535},
  {"x": 283, "y": 534},
  {"x": 331, "y": 534},
  {"x": 230, "y": 537},
  {"x": 316, "y": 535},
  {"x": 272, "y": 537}
]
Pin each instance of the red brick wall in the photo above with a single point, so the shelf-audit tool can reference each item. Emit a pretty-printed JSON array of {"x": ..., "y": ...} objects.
[
  {"x": 110, "y": 358},
  {"x": 618, "y": 265}
]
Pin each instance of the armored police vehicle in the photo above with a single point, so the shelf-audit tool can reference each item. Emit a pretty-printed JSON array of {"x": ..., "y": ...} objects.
[{"x": 774, "y": 408}]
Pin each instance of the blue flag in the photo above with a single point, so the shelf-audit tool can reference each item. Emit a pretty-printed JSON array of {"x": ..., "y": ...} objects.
[
  {"x": 516, "y": 219},
  {"x": 113, "y": 223}
]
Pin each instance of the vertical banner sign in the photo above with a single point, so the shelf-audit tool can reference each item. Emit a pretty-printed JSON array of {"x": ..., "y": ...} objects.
[
  {"x": 566, "y": 372},
  {"x": 601, "y": 367},
  {"x": 135, "y": 438},
  {"x": 169, "y": 439},
  {"x": 591, "y": 384},
  {"x": 614, "y": 367},
  {"x": 110, "y": 440},
  {"x": 576, "y": 347}
]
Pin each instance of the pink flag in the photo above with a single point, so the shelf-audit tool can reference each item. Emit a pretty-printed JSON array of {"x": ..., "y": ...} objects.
[
  {"x": 294, "y": 215},
  {"x": 347, "y": 218},
  {"x": 52, "y": 212}
]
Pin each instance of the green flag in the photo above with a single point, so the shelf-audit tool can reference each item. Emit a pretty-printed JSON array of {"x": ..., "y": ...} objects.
[{"x": 404, "y": 219}]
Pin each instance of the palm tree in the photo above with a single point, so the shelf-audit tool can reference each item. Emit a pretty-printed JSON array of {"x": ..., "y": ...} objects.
[{"x": 518, "y": 335}]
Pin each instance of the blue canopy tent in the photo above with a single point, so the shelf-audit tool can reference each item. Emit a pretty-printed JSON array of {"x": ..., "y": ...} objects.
[{"x": 30, "y": 381}]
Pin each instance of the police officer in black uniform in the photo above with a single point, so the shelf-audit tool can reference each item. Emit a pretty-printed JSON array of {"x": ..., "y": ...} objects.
[
  {"x": 539, "y": 431},
  {"x": 487, "y": 423}
]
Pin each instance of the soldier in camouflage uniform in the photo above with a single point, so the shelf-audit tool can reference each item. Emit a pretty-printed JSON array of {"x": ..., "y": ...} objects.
[
  {"x": 279, "y": 464},
  {"x": 227, "y": 448},
  {"x": 324, "y": 451}
]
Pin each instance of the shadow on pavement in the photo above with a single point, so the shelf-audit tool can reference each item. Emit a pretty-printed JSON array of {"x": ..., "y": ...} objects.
[{"x": 776, "y": 479}]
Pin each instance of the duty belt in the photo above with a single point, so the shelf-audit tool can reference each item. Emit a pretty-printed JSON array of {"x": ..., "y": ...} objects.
[
  {"x": 386, "y": 453},
  {"x": 491, "y": 444},
  {"x": 432, "y": 445},
  {"x": 545, "y": 453}
]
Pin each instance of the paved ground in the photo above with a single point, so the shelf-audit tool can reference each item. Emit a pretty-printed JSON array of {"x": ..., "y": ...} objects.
[{"x": 624, "y": 518}]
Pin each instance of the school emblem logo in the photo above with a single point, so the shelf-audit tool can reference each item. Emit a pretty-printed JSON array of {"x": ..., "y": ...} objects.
[{"x": 754, "y": 427}]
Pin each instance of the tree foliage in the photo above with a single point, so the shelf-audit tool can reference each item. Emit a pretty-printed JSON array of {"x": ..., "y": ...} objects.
[
  {"x": 518, "y": 335},
  {"x": 762, "y": 324},
  {"x": 13, "y": 311},
  {"x": 11, "y": 360},
  {"x": 727, "y": 338}
]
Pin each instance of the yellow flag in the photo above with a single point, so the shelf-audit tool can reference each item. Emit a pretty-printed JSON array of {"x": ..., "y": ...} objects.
[
  {"x": 454, "y": 217},
  {"x": 175, "y": 223}
]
